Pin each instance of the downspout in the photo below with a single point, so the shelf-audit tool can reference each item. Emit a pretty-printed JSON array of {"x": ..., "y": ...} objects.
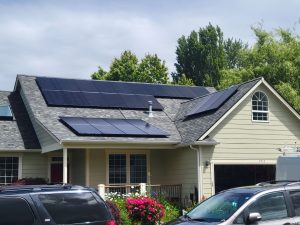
[{"x": 199, "y": 170}]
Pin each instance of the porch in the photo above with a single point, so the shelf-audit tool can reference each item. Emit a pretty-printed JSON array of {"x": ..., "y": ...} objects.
[{"x": 169, "y": 172}]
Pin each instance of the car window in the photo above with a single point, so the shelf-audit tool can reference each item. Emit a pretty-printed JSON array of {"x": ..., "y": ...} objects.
[
  {"x": 219, "y": 207},
  {"x": 15, "y": 211},
  {"x": 270, "y": 206},
  {"x": 295, "y": 196},
  {"x": 74, "y": 208}
]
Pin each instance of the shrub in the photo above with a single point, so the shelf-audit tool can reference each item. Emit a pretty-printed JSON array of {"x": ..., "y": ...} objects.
[
  {"x": 119, "y": 200},
  {"x": 171, "y": 210},
  {"x": 115, "y": 212},
  {"x": 143, "y": 209},
  {"x": 31, "y": 181}
]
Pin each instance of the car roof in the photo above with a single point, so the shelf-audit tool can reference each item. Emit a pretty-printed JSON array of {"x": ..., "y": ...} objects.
[
  {"x": 23, "y": 189},
  {"x": 264, "y": 186}
]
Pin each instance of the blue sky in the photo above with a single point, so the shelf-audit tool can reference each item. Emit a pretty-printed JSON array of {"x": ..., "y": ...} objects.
[{"x": 70, "y": 38}]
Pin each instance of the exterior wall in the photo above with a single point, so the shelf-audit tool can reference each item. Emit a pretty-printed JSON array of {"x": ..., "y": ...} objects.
[
  {"x": 181, "y": 168},
  {"x": 97, "y": 167},
  {"x": 34, "y": 165},
  {"x": 78, "y": 166},
  {"x": 243, "y": 141}
]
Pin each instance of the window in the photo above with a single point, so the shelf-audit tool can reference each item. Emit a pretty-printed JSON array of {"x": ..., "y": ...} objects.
[
  {"x": 295, "y": 196},
  {"x": 74, "y": 208},
  {"x": 9, "y": 170},
  {"x": 15, "y": 211},
  {"x": 5, "y": 112},
  {"x": 127, "y": 168},
  {"x": 260, "y": 107},
  {"x": 270, "y": 207}
]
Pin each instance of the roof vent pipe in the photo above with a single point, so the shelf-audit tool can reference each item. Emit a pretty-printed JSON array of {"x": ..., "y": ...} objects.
[{"x": 150, "y": 109}]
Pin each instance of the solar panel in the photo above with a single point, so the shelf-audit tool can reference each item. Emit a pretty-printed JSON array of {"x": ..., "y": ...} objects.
[
  {"x": 112, "y": 127},
  {"x": 100, "y": 100},
  {"x": 157, "y": 90},
  {"x": 213, "y": 101}
]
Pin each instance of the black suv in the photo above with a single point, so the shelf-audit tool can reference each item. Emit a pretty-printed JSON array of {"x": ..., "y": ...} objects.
[
  {"x": 52, "y": 205},
  {"x": 268, "y": 203}
]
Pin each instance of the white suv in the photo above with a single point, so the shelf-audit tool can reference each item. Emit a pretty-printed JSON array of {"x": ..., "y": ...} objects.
[{"x": 269, "y": 203}]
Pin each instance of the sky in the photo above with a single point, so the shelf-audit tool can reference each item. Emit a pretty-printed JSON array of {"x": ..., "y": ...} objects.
[{"x": 71, "y": 38}]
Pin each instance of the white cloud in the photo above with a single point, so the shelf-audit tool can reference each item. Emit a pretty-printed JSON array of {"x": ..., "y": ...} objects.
[{"x": 71, "y": 38}]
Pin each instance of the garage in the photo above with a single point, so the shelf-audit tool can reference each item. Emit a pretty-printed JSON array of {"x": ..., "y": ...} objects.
[{"x": 229, "y": 176}]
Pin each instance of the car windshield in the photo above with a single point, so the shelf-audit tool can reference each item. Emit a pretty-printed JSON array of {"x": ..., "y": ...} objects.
[{"x": 219, "y": 207}]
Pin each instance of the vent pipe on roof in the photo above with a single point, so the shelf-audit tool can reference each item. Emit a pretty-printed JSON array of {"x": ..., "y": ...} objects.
[{"x": 150, "y": 109}]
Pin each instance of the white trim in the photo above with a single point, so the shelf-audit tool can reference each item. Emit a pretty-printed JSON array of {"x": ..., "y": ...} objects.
[
  {"x": 235, "y": 162},
  {"x": 65, "y": 165},
  {"x": 230, "y": 110},
  {"x": 260, "y": 111},
  {"x": 127, "y": 153}
]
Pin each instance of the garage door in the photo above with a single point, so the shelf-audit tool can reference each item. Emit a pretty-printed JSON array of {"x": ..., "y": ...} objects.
[{"x": 229, "y": 176}]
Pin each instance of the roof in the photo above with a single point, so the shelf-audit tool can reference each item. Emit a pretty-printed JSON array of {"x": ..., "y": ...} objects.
[
  {"x": 18, "y": 133},
  {"x": 173, "y": 119},
  {"x": 49, "y": 117},
  {"x": 192, "y": 128}
]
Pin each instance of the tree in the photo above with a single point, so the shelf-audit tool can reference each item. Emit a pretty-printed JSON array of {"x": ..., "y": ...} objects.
[
  {"x": 151, "y": 69},
  {"x": 276, "y": 57},
  {"x": 202, "y": 55}
]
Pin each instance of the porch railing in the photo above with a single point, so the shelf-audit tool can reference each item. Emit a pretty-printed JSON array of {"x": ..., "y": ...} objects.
[{"x": 172, "y": 192}]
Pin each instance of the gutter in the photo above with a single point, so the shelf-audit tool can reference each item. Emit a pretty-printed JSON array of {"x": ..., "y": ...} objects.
[{"x": 116, "y": 143}]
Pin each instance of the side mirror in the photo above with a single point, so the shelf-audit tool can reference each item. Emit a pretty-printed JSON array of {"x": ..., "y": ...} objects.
[{"x": 253, "y": 217}]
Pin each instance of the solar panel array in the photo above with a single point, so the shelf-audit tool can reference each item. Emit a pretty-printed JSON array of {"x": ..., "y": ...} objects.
[
  {"x": 213, "y": 101},
  {"x": 112, "y": 127},
  {"x": 156, "y": 90},
  {"x": 99, "y": 100}
]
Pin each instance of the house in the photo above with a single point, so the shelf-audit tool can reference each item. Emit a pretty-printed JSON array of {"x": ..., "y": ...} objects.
[{"x": 118, "y": 133}]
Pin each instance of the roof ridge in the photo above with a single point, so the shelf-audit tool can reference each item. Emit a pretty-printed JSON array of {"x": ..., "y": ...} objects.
[
  {"x": 114, "y": 81},
  {"x": 239, "y": 84}
]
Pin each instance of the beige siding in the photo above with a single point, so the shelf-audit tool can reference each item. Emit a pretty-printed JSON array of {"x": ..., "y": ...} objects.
[
  {"x": 245, "y": 142},
  {"x": 78, "y": 166},
  {"x": 34, "y": 165},
  {"x": 181, "y": 168},
  {"x": 97, "y": 167}
]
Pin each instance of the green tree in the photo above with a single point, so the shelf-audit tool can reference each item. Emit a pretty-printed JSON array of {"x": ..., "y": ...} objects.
[
  {"x": 124, "y": 68},
  {"x": 201, "y": 56},
  {"x": 276, "y": 57},
  {"x": 151, "y": 69}
]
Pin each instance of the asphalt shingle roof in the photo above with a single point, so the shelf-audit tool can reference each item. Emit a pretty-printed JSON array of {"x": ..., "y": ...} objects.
[
  {"x": 49, "y": 116},
  {"x": 16, "y": 134},
  {"x": 192, "y": 128}
]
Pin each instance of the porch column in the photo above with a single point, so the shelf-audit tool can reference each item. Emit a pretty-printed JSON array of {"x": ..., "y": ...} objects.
[
  {"x": 199, "y": 173},
  {"x": 65, "y": 165},
  {"x": 87, "y": 167}
]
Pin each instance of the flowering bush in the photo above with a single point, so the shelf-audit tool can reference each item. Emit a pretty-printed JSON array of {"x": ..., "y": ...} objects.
[{"x": 143, "y": 209}]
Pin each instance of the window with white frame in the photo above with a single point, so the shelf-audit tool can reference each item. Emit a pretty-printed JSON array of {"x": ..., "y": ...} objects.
[
  {"x": 127, "y": 168},
  {"x": 9, "y": 170},
  {"x": 260, "y": 107}
]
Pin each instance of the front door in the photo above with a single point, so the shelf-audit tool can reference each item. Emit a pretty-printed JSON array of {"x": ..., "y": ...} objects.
[
  {"x": 56, "y": 170},
  {"x": 56, "y": 173}
]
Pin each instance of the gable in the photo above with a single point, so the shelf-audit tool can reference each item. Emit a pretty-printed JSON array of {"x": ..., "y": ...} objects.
[{"x": 238, "y": 131}]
